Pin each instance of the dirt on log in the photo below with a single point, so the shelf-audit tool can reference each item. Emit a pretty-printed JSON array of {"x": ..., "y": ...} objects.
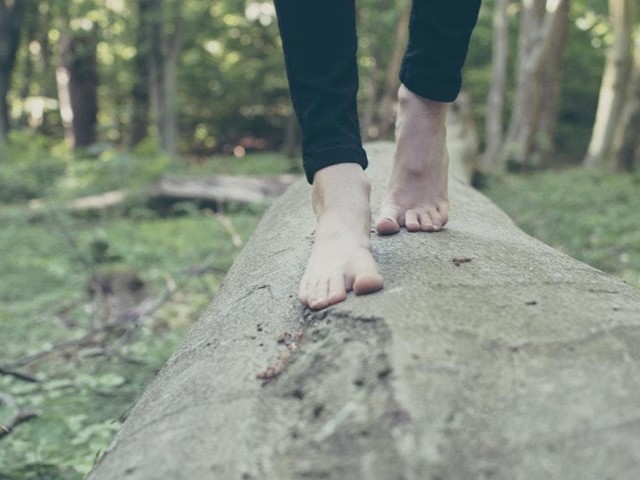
[{"x": 487, "y": 355}]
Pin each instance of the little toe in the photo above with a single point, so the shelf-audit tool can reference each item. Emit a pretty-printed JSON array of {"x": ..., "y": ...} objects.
[
  {"x": 443, "y": 209},
  {"x": 411, "y": 221},
  {"x": 436, "y": 218}
]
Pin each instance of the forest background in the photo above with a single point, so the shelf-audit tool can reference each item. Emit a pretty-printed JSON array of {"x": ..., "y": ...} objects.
[{"x": 107, "y": 105}]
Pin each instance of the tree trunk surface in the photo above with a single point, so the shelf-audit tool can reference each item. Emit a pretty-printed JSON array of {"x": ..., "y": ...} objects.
[
  {"x": 494, "y": 129},
  {"x": 615, "y": 79},
  {"x": 386, "y": 111},
  {"x": 78, "y": 85},
  {"x": 140, "y": 98},
  {"x": 487, "y": 354},
  {"x": 11, "y": 17},
  {"x": 551, "y": 85},
  {"x": 540, "y": 26},
  {"x": 626, "y": 148}
]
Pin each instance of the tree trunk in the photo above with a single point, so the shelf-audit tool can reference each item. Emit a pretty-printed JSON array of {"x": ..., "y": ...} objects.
[
  {"x": 497, "y": 91},
  {"x": 165, "y": 52},
  {"x": 78, "y": 87},
  {"x": 626, "y": 150},
  {"x": 291, "y": 146},
  {"x": 386, "y": 111},
  {"x": 142, "y": 78},
  {"x": 539, "y": 27},
  {"x": 614, "y": 83},
  {"x": 368, "y": 115},
  {"x": 11, "y": 16},
  {"x": 484, "y": 357},
  {"x": 551, "y": 85}
]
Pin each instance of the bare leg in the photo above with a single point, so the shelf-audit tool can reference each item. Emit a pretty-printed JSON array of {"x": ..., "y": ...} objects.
[
  {"x": 417, "y": 194},
  {"x": 341, "y": 258}
]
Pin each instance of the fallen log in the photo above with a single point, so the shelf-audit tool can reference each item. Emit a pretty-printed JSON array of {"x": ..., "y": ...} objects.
[
  {"x": 218, "y": 189},
  {"x": 487, "y": 355}
]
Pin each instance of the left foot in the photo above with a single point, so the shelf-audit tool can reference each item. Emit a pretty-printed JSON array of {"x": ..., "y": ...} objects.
[{"x": 417, "y": 194}]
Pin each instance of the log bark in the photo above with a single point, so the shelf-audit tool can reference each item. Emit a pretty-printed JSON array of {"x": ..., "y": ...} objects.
[
  {"x": 615, "y": 80},
  {"x": 487, "y": 354}
]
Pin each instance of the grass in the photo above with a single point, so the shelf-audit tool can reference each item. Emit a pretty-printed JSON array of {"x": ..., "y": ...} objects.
[
  {"x": 51, "y": 259},
  {"x": 44, "y": 295},
  {"x": 591, "y": 215}
]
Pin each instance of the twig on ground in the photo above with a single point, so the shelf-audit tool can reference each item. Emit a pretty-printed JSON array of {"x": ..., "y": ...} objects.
[
  {"x": 236, "y": 239},
  {"x": 19, "y": 375},
  {"x": 19, "y": 415}
]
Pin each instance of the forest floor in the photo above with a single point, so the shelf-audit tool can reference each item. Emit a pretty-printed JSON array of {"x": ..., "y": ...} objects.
[{"x": 104, "y": 299}]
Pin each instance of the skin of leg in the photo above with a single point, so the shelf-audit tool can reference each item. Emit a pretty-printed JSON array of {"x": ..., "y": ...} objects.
[
  {"x": 417, "y": 192},
  {"x": 341, "y": 258},
  {"x": 320, "y": 43},
  {"x": 439, "y": 34}
]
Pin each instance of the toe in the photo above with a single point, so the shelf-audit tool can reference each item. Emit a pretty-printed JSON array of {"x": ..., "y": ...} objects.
[
  {"x": 320, "y": 297},
  {"x": 426, "y": 224},
  {"x": 411, "y": 221},
  {"x": 387, "y": 223},
  {"x": 443, "y": 209},
  {"x": 337, "y": 289},
  {"x": 367, "y": 278},
  {"x": 436, "y": 218}
]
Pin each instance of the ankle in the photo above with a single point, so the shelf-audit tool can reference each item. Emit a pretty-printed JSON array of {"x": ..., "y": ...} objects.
[
  {"x": 340, "y": 187},
  {"x": 430, "y": 109}
]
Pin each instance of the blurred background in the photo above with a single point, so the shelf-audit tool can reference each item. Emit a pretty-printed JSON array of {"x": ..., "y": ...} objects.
[{"x": 142, "y": 140}]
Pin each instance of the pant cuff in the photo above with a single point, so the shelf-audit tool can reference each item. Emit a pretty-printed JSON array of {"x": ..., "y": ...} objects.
[
  {"x": 430, "y": 91},
  {"x": 315, "y": 161}
]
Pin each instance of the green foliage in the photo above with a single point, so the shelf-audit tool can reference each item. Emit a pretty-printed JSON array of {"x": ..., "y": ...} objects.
[
  {"x": 26, "y": 170},
  {"x": 46, "y": 297},
  {"x": 590, "y": 215}
]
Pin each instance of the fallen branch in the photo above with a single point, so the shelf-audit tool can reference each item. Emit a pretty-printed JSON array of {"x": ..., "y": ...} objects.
[
  {"x": 219, "y": 190},
  {"x": 19, "y": 415},
  {"x": 19, "y": 375},
  {"x": 236, "y": 239}
]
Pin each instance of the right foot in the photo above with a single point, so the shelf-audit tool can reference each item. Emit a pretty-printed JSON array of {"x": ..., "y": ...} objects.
[
  {"x": 341, "y": 258},
  {"x": 417, "y": 195}
]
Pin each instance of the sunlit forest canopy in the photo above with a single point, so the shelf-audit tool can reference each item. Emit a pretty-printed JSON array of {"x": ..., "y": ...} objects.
[{"x": 207, "y": 77}]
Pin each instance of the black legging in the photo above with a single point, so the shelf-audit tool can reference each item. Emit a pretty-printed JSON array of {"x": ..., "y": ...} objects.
[{"x": 319, "y": 40}]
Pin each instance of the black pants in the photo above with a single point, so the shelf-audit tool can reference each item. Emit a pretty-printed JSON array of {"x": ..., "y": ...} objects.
[{"x": 319, "y": 40}]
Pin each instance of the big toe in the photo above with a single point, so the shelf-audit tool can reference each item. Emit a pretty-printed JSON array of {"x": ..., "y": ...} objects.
[{"x": 387, "y": 223}]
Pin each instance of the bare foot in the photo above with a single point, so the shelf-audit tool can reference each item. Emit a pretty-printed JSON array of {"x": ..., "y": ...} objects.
[
  {"x": 417, "y": 194},
  {"x": 341, "y": 258}
]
